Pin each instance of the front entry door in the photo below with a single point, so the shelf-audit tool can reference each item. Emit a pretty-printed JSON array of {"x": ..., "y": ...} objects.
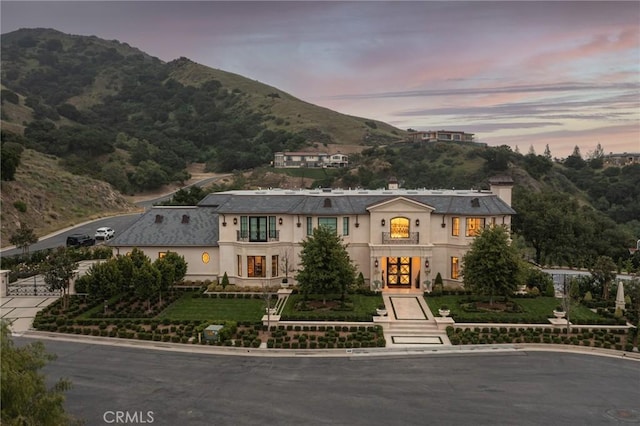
[{"x": 399, "y": 272}]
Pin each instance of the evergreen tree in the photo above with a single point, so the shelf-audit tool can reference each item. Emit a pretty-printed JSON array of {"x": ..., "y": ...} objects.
[
  {"x": 492, "y": 266},
  {"x": 326, "y": 265}
]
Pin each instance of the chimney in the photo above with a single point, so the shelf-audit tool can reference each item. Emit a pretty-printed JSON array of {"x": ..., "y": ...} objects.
[
  {"x": 393, "y": 183},
  {"x": 502, "y": 186}
]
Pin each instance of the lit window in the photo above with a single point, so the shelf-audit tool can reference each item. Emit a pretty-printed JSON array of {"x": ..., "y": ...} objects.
[
  {"x": 205, "y": 257},
  {"x": 399, "y": 227},
  {"x": 474, "y": 225},
  {"x": 256, "y": 266},
  {"x": 274, "y": 266},
  {"x": 455, "y": 268},
  {"x": 455, "y": 226},
  {"x": 162, "y": 254}
]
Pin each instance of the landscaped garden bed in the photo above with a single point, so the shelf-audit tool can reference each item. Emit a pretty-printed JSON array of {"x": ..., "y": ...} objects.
[
  {"x": 355, "y": 308},
  {"x": 619, "y": 339},
  {"x": 182, "y": 316},
  {"x": 466, "y": 308}
]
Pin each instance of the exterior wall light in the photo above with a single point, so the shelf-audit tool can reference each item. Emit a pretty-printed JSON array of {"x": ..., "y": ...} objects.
[
  {"x": 280, "y": 221},
  {"x": 382, "y": 222},
  {"x": 417, "y": 222},
  {"x": 235, "y": 220},
  {"x": 375, "y": 263}
]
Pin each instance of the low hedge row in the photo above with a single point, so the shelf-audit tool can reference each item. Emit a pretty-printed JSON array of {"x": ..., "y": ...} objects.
[{"x": 608, "y": 339}]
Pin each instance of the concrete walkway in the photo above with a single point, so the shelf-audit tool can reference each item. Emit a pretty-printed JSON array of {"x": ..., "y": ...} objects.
[{"x": 410, "y": 323}]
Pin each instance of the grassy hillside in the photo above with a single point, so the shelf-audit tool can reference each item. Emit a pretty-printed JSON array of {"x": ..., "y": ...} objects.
[
  {"x": 290, "y": 113},
  {"x": 80, "y": 98},
  {"x": 46, "y": 198}
]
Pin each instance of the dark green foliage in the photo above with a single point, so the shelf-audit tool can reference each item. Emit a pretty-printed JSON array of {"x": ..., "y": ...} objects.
[
  {"x": 10, "y": 157},
  {"x": 23, "y": 238},
  {"x": 492, "y": 266},
  {"x": 225, "y": 281},
  {"x": 537, "y": 165},
  {"x": 21, "y": 206},
  {"x": 58, "y": 269},
  {"x": 187, "y": 197},
  {"x": 9, "y": 96},
  {"x": 26, "y": 399},
  {"x": 326, "y": 266}
]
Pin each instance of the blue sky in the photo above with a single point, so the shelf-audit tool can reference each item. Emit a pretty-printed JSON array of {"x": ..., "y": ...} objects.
[{"x": 525, "y": 74}]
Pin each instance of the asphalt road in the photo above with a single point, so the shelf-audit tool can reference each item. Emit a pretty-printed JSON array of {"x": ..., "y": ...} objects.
[
  {"x": 118, "y": 223},
  {"x": 508, "y": 388}
]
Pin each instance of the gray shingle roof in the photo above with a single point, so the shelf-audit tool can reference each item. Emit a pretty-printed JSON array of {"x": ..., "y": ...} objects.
[
  {"x": 351, "y": 202},
  {"x": 172, "y": 227}
]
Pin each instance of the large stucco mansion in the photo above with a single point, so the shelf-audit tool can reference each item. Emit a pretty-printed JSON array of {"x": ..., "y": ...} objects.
[{"x": 398, "y": 238}]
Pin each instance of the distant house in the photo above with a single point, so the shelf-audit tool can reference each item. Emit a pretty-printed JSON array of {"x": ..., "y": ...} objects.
[
  {"x": 623, "y": 159},
  {"x": 440, "y": 136},
  {"x": 309, "y": 159}
]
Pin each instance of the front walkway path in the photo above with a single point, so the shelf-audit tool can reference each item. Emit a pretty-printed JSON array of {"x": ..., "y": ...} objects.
[{"x": 410, "y": 323}]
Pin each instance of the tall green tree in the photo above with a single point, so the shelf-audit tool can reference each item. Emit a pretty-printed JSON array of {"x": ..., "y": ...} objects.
[
  {"x": 558, "y": 229},
  {"x": 172, "y": 267},
  {"x": 10, "y": 159},
  {"x": 24, "y": 395},
  {"x": 146, "y": 282},
  {"x": 604, "y": 272},
  {"x": 326, "y": 265},
  {"x": 23, "y": 238},
  {"x": 492, "y": 266},
  {"x": 58, "y": 269}
]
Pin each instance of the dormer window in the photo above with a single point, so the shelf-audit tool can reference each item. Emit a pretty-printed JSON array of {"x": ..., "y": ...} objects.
[
  {"x": 185, "y": 218},
  {"x": 327, "y": 203},
  {"x": 159, "y": 218}
]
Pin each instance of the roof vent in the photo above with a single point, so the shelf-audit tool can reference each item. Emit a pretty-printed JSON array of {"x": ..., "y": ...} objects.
[
  {"x": 185, "y": 218},
  {"x": 159, "y": 218}
]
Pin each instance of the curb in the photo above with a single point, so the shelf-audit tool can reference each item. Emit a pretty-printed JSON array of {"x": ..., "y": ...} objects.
[{"x": 327, "y": 353}]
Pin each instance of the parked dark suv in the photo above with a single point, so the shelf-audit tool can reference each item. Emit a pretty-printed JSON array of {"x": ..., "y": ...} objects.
[{"x": 80, "y": 240}]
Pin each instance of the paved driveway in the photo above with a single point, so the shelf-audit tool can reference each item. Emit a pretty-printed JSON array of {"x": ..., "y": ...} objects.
[{"x": 21, "y": 310}]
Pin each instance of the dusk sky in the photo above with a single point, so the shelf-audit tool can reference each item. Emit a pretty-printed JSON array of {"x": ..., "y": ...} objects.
[{"x": 514, "y": 73}]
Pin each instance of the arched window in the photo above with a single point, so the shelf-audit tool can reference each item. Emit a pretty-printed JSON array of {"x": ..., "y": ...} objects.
[{"x": 400, "y": 227}]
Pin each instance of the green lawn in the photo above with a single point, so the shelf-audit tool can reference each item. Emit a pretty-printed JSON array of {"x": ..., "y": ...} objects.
[
  {"x": 534, "y": 310},
  {"x": 188, "y": 308},
  {"x": 364, "y": 307}
]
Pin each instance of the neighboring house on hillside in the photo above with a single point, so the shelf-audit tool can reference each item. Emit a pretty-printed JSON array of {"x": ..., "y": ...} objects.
[
  {"x": 440, "y": 136},
  {"x": 621, "y": 160},
  {"x": 309, "y": 159},
  {"x": 399, "y": 237}
]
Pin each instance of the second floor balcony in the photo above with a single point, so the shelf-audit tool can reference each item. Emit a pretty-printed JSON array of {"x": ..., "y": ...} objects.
[
  {"x": 258, "y": 237},
  {"x": 412, "y": 238}
]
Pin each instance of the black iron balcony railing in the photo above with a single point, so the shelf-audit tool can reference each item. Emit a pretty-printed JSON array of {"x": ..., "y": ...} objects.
[
  {"x": 246, "y": 236},
  {"x": 413, "y": 238}
]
